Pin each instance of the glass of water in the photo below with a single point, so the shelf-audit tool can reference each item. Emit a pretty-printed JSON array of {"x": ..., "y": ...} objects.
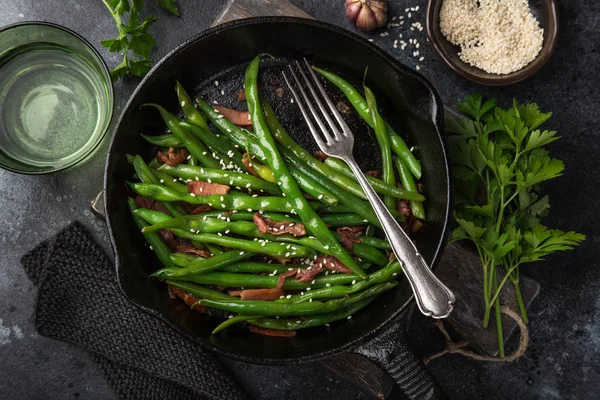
[{"x": 56, "y": 98}]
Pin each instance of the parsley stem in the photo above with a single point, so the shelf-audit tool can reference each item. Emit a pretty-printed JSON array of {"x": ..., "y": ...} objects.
[
  {"x": 499, "y": 326},
  {"x": 506, "y": 276},
  {"x": 520, "y": 302}
]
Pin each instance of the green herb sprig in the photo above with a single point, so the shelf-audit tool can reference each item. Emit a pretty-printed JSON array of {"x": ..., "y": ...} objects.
[
  {"x": 134, "y": 40},
  {"x": 499, "y": 162}
]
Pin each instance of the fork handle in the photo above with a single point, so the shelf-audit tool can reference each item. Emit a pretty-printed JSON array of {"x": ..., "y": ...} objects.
[{"x": 432, "y": 296}]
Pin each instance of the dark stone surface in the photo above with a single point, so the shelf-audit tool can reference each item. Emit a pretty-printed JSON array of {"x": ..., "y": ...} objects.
[{"x": 562, "y": 361}]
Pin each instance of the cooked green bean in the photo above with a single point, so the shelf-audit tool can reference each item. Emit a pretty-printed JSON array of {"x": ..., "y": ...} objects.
[
  {"x": 408, "y": 181},
  {"x": 156, "y": 243},
  {"x": 274, "y": 308},
  {"x": 192, "y": 265},
  {"x": 188, "y": 107},
  {"x": 199, "y": 291},
  {"x": 229, "y": 178},
  {"x": 360, "y": 104},
  {"x": 166, "y": 140}
]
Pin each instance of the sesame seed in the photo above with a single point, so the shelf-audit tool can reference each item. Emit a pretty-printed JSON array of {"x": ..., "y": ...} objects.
[
  {"x": 193, "y": 194},
  {"x": 182, "y": 103},
  {"x": 313, "y": 281},
  {"x": 298, "y": 321},
  {"x": 227, "y": 231},
  {"x": 394, "y": 274},
  {"x": 151, "y": 248},
  {"x": 216, "y": 83},
  {"x": 349, "y": 316},
  {"x": 162, "y": 181},
  {"x": 188, "y": 157},
  {"x": 308, "y": 288},
  {"x": 287, "y": 254},
  {"x": 221, "y": 116},
  {"x": 249, "y": 210},
  {"x": 241, "y": 253},
  {"x": 289, "y": 296},
  {"x": 248, "y": 185},
  {"x": 219, "y": 233},
  {"x": 215, "y": 102},
  {"x": 192, "y": 230},
  {"x": 320, "y": 197}
]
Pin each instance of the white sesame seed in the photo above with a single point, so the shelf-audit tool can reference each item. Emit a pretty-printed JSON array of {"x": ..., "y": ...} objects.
[
  {"x": 394, "y": 274},
  {"x": 216, "y": 83},
  {"x": 241, "y": 253},
  {"x": 354, "y": 281},
  {"x": 193, "y": 194},
  {"x": 162, "y": 181},
  {"x": 188, "y": 157},
  {"x": 215, "y": 102},
  {"x": 320, "y": 197},
  {"x": 221, "y": 116},
  {"x": 308, "y": 288},
  {"x": 289, "y": 296},
  {"x": 182, "y": 103},
  {"x": 327, "y": 284},
  {"x": 349, "y": 316},
  {"x": 150, "y": 247}
]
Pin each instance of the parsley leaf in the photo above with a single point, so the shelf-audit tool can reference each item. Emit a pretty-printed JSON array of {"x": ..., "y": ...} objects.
[
  {"x": 170, "y": 5},
  {"x": 499, "y": 162},
  {"x": 133, "y": 40}
]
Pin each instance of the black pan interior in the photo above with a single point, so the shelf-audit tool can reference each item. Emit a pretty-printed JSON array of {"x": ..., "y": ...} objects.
[{"x": 221, "y": 55}]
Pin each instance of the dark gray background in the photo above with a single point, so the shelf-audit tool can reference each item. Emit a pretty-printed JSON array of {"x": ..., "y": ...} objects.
[{"x": 562, "y": 360}]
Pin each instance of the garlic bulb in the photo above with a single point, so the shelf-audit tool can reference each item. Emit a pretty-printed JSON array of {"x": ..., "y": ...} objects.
[{"x": 367, "y": 14}]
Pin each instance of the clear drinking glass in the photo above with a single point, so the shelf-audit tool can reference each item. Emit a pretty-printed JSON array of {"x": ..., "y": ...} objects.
[{"x": 56, "y": 98}]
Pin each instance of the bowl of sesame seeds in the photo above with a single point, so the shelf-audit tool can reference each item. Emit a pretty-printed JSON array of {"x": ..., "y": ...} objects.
[{"x": 493, "y": 42}]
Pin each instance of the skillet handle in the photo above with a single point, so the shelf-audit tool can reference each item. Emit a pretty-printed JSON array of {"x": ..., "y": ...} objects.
[{"x": 389, "y": 351}]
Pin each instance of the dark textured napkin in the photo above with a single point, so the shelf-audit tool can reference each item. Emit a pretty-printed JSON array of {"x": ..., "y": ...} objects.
[{"x": 79, "y": 302}]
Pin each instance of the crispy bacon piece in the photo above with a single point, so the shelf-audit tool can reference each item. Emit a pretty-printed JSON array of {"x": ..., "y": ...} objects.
[
  {"x": 248, "y": 164},
  {"x": 281, "y": 278},
  {"x": 239, "y": 118},
  {"x": 320, "y": 155},
  {"x": 307, "y": 275},
  {"x": 235, "y": 293},
  {"x": 374, "y": 174},
  {"x": 271, "y": 332},
  {"x": 403, "y": 208},
  {"x": 202, "y": 208},
  {"x": 265, "y": 225},
  {"x": 332, "y": 263},
  {"x": 201, "y": 188},
  {"x": 241, "y": 94},
  {"x": 143, "y": 202},
  {"x": 350, "y": 235},
  {"x": 190, "y": 300},
  {"x": 261, "y": 294},
  {"x": 193, "y": 250},
  {"x": 169, "y": 238},
  {"x": 173, "y": 157}
]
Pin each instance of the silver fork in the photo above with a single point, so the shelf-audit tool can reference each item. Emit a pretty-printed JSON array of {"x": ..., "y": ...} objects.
[{"x": 433, "y": 297}]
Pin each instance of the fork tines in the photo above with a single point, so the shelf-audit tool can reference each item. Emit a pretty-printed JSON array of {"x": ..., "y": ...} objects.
[{"x": 331, "y": 135}]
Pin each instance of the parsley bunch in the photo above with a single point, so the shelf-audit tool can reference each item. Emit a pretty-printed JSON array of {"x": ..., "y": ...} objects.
[
  {"x": 499, "y": 162},
  {"x": 133, "y": 36}
]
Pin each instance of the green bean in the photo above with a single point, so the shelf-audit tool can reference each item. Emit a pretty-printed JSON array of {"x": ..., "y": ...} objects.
[
  {"x": 199, "y": 291},
  {"x": 408, "y": 181},
  {"x": 288, "y": 185},
  {"x": 192, "y": 265},
  {"x": 191, "y": 143},
  {"x": 253, "y": 267},
  {"x": 213, "y": 248},
  {"x": 231, "y": 157},
  {"x": 360, "y": 104},
  {"x": 166, "y": 140},
  {"x": 350, "y": 201},
  {"x": 290, "y": 147},
  {"x": 236, "y": 134},
  {"x": 371, "y": 241},
  {"x": 383, "y": 275},
  {"x": 147, "y": 176},
  {"x": 188, "y": 107},
  {"x": 151, "y": 216},
  {"x": 229, "y": 201},
  {"x": 231, "y": 321},
  {"x": 227, "y": 279},
  {"x": 230, "y": 178},
  {"x": 170, "y": 182},
  {"x": 384, "y": 145},
  {"x": 156, "y": 243},
  {"x": 270, "y": 248},
  {"x": 273, "y": 308},
  {"x": 294, "y": 324}
]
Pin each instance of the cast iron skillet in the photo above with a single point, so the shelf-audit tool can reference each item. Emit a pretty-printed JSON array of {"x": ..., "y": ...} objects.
[{"x": 408, "y": 101}]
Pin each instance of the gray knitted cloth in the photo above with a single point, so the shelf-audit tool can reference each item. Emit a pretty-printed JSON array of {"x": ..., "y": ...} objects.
[{"x": 79, "y": 302}]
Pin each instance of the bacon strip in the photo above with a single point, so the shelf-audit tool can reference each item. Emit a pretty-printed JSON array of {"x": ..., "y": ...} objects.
[
  {"x": 143, "y": 202},
  {"x": 333, "y": 264},
  {"x": 271, "y": 332},
  {"x": 350, "y": 235},
  {"x": 320, "y": 155},
  {"x": 261, "y": 294},
  {"x": 193, "y": 250},
  {"x": 248, "y": 165},
  {"x": 190, "y": 300},
  {"x": 307, "y": 275},
  {"x": 173, "y": 157},
  {"x": 201, "y": 188},
  {"x": 281, "y": 278},
  {"x": 239, "y": 118},
  {"x": 374, "y": 174},
  {"x": 265, "y": 225},
  {"x": 169, "y": 238}
]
